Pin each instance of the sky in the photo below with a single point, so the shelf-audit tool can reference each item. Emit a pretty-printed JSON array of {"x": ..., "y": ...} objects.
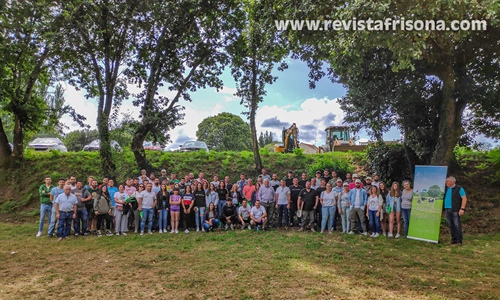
[{"x": 289, "y": 100}]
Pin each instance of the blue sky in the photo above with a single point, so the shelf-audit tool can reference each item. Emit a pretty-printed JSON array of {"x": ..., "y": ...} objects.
[{"x": 427, "y": 176}]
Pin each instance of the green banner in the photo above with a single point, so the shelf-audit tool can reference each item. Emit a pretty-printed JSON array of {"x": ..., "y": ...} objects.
[{"x": 427, "y": 203}]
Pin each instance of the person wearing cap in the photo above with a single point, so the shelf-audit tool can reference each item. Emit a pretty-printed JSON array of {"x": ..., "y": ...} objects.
[
  {"x": 344, "y": 209},
  {"x": 352, "y": 185},
  {"x": 163, "y": 175},
  {"x": 357, "y": 201},
  {"x": 368, "y": 185},
  {"x": 289, "y": 178},
  {"x": 376, "y": 180}
]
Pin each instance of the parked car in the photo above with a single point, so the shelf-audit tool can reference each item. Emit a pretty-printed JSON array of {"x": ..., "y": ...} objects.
[
  {"x": 47, "y": 144},
  {"x": 150, "y": 146},
  {"x": 95, "y": 145},
  {"x": 193, "y": 146}
]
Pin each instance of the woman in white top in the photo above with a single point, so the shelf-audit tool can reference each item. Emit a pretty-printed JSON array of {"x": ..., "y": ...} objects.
[
  {"x": 121, "y": 219},
  {"x": 344, "y": 208},
  {"x": 374, "y": 204},
  {"x": 328, "y": 208}
]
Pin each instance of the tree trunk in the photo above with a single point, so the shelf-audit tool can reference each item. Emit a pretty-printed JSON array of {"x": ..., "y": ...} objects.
[
  {"x": 450, "y": 121},
  {"x": 18, "y": 139},
  {"x": 253, "y": 112},
  {"x": 107, "y": 165},
  {"x": 5, "y": 151},
  {"x": 138, "y": 149}
]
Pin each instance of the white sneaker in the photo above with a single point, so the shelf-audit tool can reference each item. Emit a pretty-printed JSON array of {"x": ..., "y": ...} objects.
[
  {"x": 142, "y": 233},
  {"x": 376, "y": 235},
  {"x": 226, "y": 227},
  {"x": 249, "y": 227},
  {"x": 385, "y": 234},
  {"x": 161, "y": 231},
  {"x": 322, "y": 231},
  {"x": 172, "y": 231},
  {"x": 123, "y": 233},
  {"x": 202, "y": 229},
  {"x": 117, "y": 233},
  {"x": 186, "y": 231},
  {"x": 397, "y": 236},
  {"x": 351, "y": 232},
  {"x": 197, "y": 229},
  {"x": 232, "y": 227},
  {"x": 312, "y": 230},
  {"x": 365, "y": 233},
  {"x": 150, "y": 232},
  {"x": 176, "y": 231},
  {"x": 389, "y": 235},
  {"x": 39, "y": 234}
]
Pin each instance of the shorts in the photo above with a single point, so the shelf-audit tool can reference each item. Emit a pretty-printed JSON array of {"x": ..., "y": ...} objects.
[
  {"x": 396, "y": 207},
  {"x": 90, "y": 212},
  {"x": 175, "y": 208}
]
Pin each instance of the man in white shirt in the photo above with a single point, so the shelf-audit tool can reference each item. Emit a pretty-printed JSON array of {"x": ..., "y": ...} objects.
[
  {"x": 258, "y": 216},
  {"x": 147, "y": 203},
  {"x": 244, "y": 214}
]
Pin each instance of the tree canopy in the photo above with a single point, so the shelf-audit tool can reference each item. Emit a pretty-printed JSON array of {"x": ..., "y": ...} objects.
[{"x": 225, "y": 131}]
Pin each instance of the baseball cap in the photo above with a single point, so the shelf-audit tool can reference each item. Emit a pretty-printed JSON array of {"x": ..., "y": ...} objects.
[
  {"x": 163, "y": 170},
  {"x": 346, "y": 184},
  {"x": 339, "y": 180},
  {"x": 369, "y": 178},
  {"x": 358, "y": 181},
  {"x": 355, "y": 175},
  {"x": 318, "y": 172}
]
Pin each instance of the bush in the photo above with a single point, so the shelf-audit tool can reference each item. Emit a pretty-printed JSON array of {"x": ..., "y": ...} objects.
[
  {"x": 388, "y": 161},
  {"x": 339, "y": 162}
]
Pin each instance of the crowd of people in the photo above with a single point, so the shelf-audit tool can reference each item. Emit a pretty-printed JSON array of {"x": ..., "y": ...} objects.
[{"x": 325, "y": 202}]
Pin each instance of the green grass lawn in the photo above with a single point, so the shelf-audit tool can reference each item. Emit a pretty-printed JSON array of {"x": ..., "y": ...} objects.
[{"x": 245, "y": 265}]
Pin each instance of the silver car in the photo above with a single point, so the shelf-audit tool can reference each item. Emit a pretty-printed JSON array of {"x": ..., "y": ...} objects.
[
  {"x": 47, "y": 144},
  {"x": 193, "y": 146},
  {"x": 95, "y": 145}
]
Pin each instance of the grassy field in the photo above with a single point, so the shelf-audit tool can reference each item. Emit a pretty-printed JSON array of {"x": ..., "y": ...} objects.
[{"x": 245, "y": 265}]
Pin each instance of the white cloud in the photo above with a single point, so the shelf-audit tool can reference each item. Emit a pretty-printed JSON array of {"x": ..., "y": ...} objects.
[
  {"x": 312, "y": 117},
  {"x": 82, "y": 106},
  {"x": 228, "y": 93}
]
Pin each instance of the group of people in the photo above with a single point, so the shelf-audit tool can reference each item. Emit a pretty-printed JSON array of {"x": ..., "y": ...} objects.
[{"x": 162, "y": 203}]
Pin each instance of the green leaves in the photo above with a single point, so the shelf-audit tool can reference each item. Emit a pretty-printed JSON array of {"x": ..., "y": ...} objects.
[{"x": 225, "y": 131}]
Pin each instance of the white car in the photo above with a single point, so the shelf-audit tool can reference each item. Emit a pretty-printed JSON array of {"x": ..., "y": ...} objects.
[{"x": 47, "y": 144}]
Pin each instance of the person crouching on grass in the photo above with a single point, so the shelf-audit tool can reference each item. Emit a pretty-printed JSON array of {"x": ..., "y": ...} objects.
[
  {"x": 211, "y": 220},
  {"x": 103, "y": 210}
]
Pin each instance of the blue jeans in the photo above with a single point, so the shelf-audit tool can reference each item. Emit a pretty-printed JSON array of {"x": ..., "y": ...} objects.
[
  {"x": 221, "y": 206},
  {"x": 346, "y": 224},
  {"x": 455, "y": 226},
  {"x": 147, "y": 214},
  {"x": 374, "y": 221},
  {"x": 215, "y": 224},
  {"x": 327, "y": 214},
  {"x": 162, "y": 219},
  {"x": 282, "y": 208},
  {"x": 53, "y": 219},
  {"x": 199, "y": 217},
  {"x": 45, "y": 210},
  {"x": 406, "y": 219},
  {"x": 81, "y": 215},
  {"x": 64, "y": 228}
]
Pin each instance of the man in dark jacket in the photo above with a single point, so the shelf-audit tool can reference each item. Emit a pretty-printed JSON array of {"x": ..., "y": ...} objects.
[
  {"x": 454, "y": 207},
  {"x": 228, "y": 217}
]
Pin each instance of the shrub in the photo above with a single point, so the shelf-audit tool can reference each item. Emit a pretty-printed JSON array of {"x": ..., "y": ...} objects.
[
  {"x": 339, "y": 162},
  {"x": 388, "y": 160}
]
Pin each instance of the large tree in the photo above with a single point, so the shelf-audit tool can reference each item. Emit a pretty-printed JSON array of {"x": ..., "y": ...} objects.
[
  {"x": 180, "y": 48},
  {"x": 29, "y": 36},
  {"x": 255, "y": 54},
  {"x": 225, "y": 131},
  {"x": 96, "y": 44},
  {"x": 464, "y": 64}
]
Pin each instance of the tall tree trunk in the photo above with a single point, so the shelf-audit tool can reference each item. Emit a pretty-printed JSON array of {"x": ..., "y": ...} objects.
[
  {"x": 107, "y": 165},
  {"x": 450, "y": 120},
  {"x": 138, "y": 149},
  {"x": 18, "y": 139},
  {"x": 253, "y": 112},
  {"x": 5, "y": 151}
]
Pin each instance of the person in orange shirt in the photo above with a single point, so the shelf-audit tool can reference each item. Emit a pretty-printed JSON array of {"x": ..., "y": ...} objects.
[{"x": 248, "y": 190}]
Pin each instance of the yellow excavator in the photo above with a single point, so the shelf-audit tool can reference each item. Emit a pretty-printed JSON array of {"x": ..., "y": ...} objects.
[{"x": 290, "y": 140}]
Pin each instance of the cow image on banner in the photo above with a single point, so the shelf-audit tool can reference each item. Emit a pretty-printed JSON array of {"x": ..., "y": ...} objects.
[{"x": 427, "y": 203}]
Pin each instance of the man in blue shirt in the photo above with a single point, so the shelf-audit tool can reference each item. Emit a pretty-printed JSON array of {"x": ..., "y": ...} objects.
[
  {"x": 454, "y": 207},
  {"x": 59, "y": 189}
]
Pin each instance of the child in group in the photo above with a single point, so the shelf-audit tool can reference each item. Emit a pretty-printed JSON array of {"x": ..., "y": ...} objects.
[{"x": 175, "y": 209}]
